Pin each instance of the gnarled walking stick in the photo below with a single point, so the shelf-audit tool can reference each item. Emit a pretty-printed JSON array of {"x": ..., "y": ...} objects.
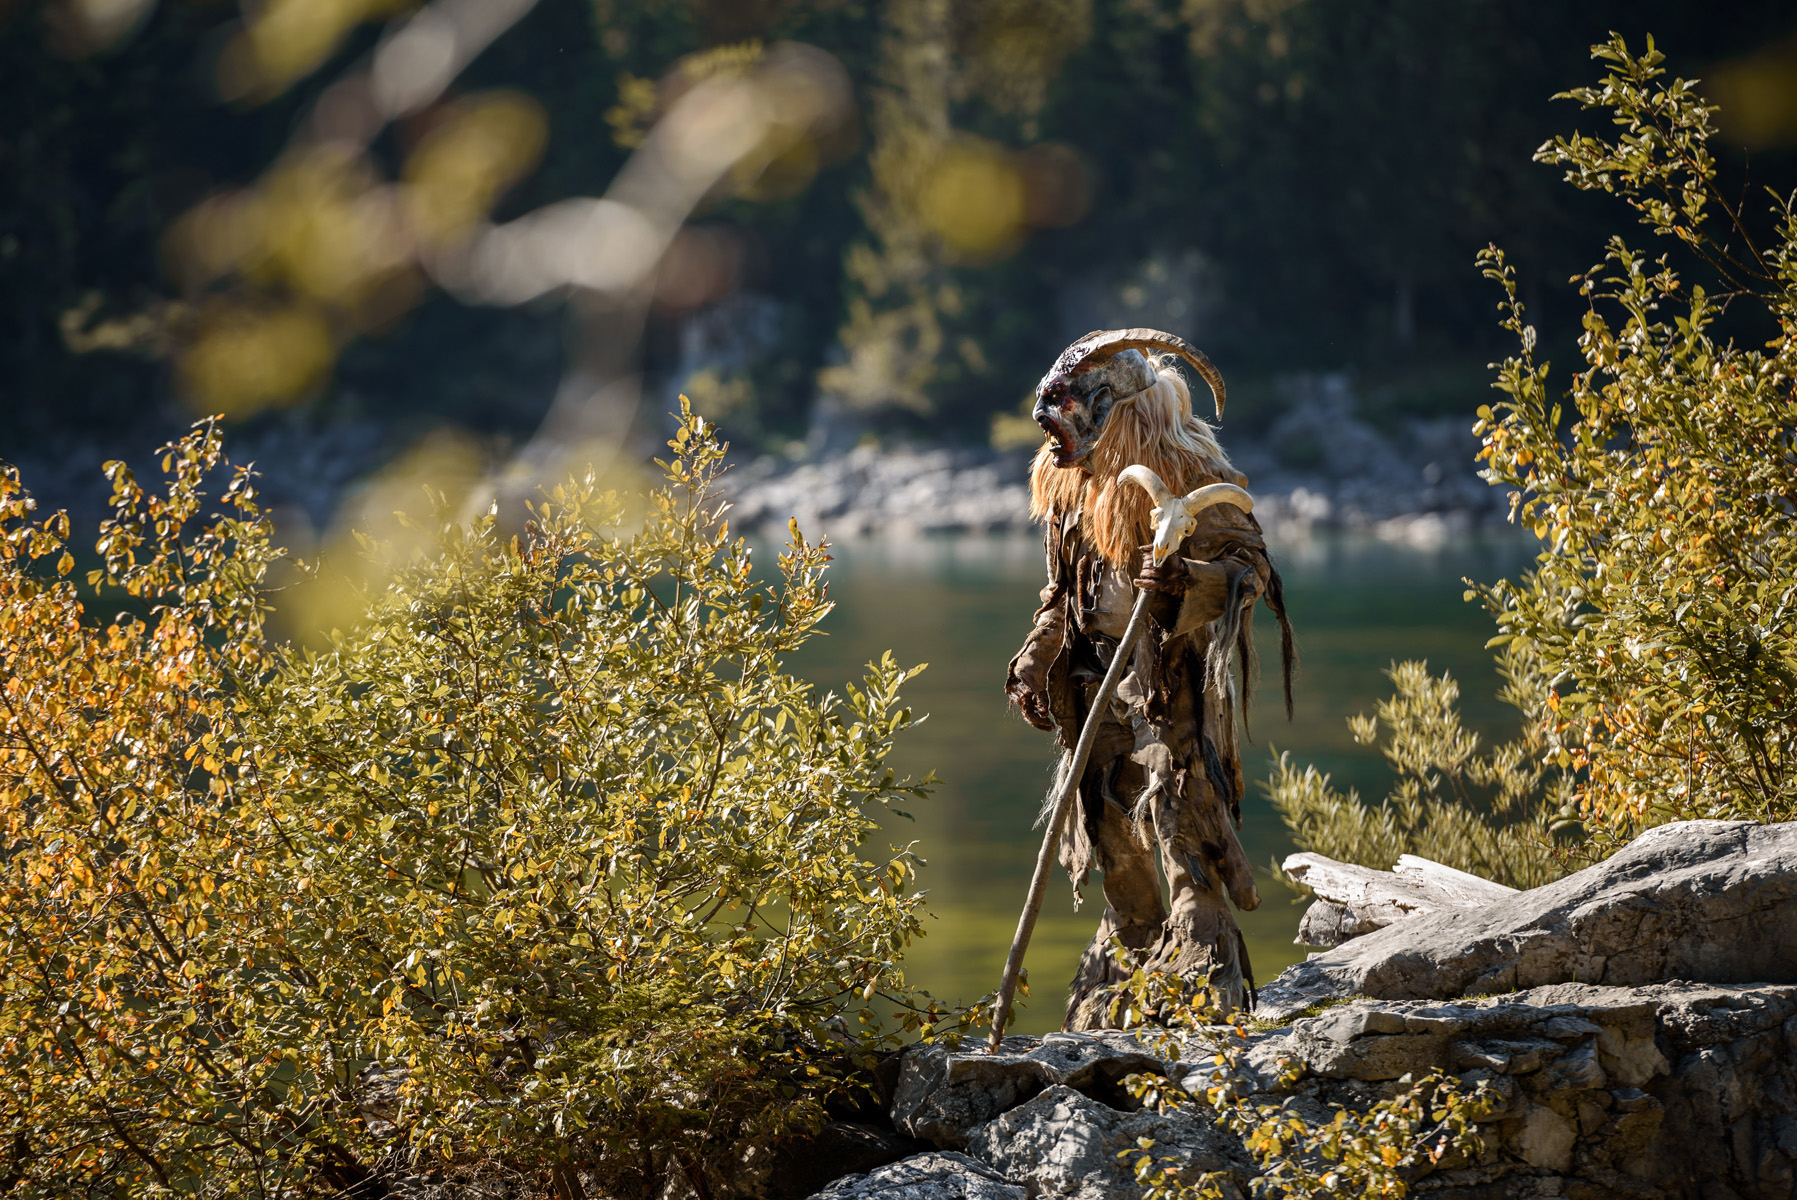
[{"x": 1174, "y": 518}]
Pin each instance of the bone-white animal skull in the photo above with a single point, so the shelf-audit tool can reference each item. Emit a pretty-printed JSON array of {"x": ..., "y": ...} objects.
[{"x": 1176, "y": 516}]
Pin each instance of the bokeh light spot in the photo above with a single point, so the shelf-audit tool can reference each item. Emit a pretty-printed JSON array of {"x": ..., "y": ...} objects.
[
  {"x": 477, "y": 147},
  {"x": 246, "y": 359},
  {"x": 974, "y": 199},
  {"x": 1758, "y": 96},
  {"x": 282, "y": 41}
]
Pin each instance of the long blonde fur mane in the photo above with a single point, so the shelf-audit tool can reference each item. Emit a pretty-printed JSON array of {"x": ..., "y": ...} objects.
[{"x": 1155, "y": 427}]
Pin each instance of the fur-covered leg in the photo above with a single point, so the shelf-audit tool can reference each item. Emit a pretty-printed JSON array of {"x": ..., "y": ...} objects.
[
  {"x": 1134, "y": 913},
  {"x": 1202, "y": 940},
  {"x": 1206, "y": 870}
]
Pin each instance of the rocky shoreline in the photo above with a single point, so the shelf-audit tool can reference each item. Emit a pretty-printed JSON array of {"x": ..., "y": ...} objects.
[
  {"x": 1318, "y": 467},
  {"x": 1636, "y": 1023}
]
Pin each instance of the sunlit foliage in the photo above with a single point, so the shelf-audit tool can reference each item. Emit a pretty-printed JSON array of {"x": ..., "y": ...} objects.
[
  {"x": 1376, "y": 1151},
  {"x": 1651, "y": 651},
  {"x": 144, "y": 1014},
  {"x": 1663, "y": 609},
  {"x": 1499, "y": 812},
  {"x": 545, "y": 866}
]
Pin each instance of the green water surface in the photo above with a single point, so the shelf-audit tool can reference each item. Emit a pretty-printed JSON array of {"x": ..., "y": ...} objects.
[{"x": 962, "y": 604}]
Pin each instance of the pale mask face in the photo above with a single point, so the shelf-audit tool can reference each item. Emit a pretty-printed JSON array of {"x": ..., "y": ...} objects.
[{"x": 1072, "y": 406}]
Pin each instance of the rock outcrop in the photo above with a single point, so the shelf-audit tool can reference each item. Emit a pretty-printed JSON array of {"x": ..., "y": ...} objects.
[
  {"x": 1047, "y": 1116},
  {"x": 933, "y": 1176},
  {"x": 944, "y": 1095},
  {"x": 1064, "y": 1143},
  {"x": 1704, "y": 901},
  {"x": 1675, "y": 1090},
  {"x": 1644, "y": 1047},
  {"x": 1668, "y": 1090}
]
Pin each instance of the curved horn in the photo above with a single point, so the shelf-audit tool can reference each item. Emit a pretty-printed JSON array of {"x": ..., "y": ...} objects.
[
  {"x": 1176, "y": 516},
  {"x": 1213, "y": 493},
  {"x": 1101, "y": 344},
  {"x": 1151, "y": 483}
]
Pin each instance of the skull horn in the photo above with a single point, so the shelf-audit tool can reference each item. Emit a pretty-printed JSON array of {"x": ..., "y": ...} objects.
[
  {"x": 1101, "y": 344},
  {"x": 1149, "y": 481},
  {"x": 1176, "y": 516}
]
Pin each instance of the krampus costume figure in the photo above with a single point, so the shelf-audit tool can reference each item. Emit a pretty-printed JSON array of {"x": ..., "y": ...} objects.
[{"x": 1165, "y": 774}]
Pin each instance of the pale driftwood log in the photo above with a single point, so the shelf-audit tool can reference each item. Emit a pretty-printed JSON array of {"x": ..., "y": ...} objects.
[
  {"x": 1475, "y": 889},
  {"x": 1353, "y": 900}
]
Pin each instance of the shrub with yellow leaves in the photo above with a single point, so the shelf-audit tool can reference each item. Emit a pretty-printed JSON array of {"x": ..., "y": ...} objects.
[
  {"x": 1652, "y": 651},
  {"x": 545, "y": 866},
  {"x": 138, "y": 944},
  {"x": 1662, "y": 610},
  {"x": 1378, "y": 1149},
  {"x": 1496, "y": 811}
]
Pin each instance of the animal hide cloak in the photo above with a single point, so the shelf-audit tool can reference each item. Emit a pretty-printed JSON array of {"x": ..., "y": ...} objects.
[{"x": 1166, "y": 763}]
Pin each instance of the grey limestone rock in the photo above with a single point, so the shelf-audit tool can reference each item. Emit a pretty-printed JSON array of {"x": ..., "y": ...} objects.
[
  {"x": 1707, "y": 901},
  {"x": 1667, "y": 1090},
  {"x": 1353, "y": 900},
  {"x": 943, "y": 1095},
  {"x": 934, "y": 1176},
  {"x": 1064, "y": 1143},
  {"x": 1634, "y": 1027}
]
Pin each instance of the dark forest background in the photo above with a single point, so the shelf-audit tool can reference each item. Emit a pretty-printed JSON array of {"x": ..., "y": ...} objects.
[{"x": 1294, "y": 184}]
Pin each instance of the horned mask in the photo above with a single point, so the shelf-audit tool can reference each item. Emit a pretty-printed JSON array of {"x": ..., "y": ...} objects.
[{"x": 1075, "y": 398}]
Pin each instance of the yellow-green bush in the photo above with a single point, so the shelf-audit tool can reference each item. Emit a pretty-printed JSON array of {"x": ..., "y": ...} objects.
[
  {"x": 1652, "y": 651},
  {"x": 546, "y": 866},
  {"x": 1378, "y": 1150},
  {"x": 1663, "y": 607},
  {"x": 1494, "y": 812}
]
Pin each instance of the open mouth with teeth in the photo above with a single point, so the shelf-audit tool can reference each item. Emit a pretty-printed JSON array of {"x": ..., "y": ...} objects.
[
  {"x": 1058, "y": 410},
  {"x": 1064, "y": 453}
]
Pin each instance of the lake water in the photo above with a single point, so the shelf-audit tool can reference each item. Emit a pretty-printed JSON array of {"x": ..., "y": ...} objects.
[{"x": 962, "y": 604}]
